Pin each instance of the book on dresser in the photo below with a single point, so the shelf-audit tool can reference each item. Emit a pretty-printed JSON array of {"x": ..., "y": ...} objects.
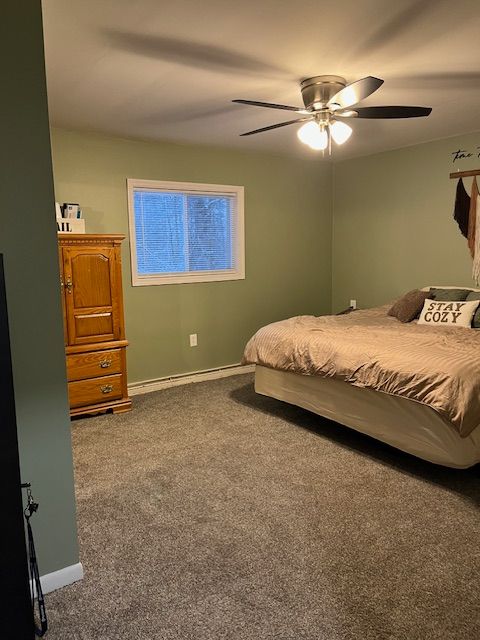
[{"x": 94, "y": 328}]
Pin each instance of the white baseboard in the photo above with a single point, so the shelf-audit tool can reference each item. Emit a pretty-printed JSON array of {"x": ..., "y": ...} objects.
[
  {"x": 146, "y": 386},
  {"x": 61, "y": 578}
]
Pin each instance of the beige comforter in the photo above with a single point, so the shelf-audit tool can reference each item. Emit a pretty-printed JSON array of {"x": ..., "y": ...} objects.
[{"x": 439, "y": 367}]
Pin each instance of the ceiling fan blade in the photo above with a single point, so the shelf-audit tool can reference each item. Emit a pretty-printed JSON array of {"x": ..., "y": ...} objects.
[
  {"x": 271, "y": 105},
  {"x": 392, "y": 112},
  {"x": 354, "y": 92},
  {"x": 274, "y": 126},
  {"x": 345, "y": 113}
]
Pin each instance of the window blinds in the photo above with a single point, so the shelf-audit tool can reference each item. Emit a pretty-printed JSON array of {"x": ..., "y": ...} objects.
[{"x": 184, "y": 232}]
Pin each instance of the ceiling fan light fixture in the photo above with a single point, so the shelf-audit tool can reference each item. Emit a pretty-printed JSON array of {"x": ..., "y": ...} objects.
[
  {"x": 313, "y": 135},
  {"x": 328, "y": 101},
  {"x": 340, "y": 131},
  {"x": 320, "y": 143}
]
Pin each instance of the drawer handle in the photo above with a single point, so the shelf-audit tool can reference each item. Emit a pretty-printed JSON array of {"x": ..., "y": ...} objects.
[
  {"x": 106, "y": 388},
  {"x": 105, "y": 364}
]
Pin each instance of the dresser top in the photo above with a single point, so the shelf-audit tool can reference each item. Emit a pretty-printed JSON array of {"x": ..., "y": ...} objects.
[{"x": 90, "y": 238}]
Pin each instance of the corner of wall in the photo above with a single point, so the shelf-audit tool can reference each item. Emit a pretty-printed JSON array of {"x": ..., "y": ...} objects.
[{"x": 332, "y": 237}]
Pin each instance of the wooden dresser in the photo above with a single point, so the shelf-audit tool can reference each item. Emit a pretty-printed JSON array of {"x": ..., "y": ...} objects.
[{"x": 95, "y": 344}]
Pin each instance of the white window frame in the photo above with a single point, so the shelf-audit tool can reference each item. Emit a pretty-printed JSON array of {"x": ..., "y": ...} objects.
[{"x": 237, "y": 273}]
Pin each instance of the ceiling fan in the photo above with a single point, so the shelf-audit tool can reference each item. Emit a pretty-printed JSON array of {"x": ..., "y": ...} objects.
[{"x": 328, "y": 101}]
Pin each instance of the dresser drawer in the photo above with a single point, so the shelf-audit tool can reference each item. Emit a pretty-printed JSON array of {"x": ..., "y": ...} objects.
[
  {"x": 93, "y": 363},
  {"x": 95, "y": 390}
]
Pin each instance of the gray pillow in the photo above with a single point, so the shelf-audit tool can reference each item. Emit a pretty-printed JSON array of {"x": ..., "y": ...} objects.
[
  {"x": 450, "y": 295},
  {"x": 475, "y": 295},
  {"x": 408, "y": 308}
]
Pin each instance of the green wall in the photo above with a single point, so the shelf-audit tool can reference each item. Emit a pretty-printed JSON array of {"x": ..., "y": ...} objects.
[
  {"x": 288, "y": 244},
  {"x": 393, "y": 228},
  {"x": 392, "y": 231},
  {"x": 28, "y": 242}
]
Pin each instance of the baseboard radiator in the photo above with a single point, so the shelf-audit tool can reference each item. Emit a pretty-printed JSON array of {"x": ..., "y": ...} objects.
[{"x": 146, "y": 386}]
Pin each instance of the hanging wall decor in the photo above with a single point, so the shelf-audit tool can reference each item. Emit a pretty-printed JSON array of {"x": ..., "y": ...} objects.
[
  {"x": 462, "y": 208},
  {"x": 466, "y": 214}
]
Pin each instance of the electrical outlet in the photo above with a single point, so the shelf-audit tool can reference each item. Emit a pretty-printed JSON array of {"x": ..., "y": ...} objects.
[
  {"x": 353, "y": 304},
  {"x": 193, "y": 340}
]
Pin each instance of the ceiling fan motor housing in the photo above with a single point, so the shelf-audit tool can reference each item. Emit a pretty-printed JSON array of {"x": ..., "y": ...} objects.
[{"x": 317, "y": 91}]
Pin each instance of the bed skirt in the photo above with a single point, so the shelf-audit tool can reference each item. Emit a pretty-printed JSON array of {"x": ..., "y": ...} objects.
[{"x": 400, "y": 422}]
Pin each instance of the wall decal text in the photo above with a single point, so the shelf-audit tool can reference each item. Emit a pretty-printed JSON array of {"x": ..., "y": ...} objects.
[{"x": 462, "y": 154}]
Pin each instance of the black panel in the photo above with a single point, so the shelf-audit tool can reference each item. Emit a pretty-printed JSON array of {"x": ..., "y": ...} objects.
[{"x": 16, "y": 618}]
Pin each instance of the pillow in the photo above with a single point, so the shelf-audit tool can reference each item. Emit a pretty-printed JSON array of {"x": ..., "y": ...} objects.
[
  {"x": 475, "y": 295},
  {"x": 448, "y": 314},
  {"x": 452, "y": 295},
  {"x": 407, "y": 308}
]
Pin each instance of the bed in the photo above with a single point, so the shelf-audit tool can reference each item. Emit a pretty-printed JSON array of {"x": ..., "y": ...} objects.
[{"x": 414, "y": 387}]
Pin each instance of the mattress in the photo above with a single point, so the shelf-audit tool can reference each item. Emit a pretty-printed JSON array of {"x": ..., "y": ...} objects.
[{"x": 403, "y": 423}]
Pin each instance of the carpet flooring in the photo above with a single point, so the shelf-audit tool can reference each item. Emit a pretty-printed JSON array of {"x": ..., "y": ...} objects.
[{"x": 209, "y": 512}]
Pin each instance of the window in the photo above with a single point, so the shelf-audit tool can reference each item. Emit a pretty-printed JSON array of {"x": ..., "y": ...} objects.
[{"x": 185, "y": 232}]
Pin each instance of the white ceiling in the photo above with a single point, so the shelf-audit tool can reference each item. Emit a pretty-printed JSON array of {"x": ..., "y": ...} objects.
[{"x": 169, "y": 70}]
